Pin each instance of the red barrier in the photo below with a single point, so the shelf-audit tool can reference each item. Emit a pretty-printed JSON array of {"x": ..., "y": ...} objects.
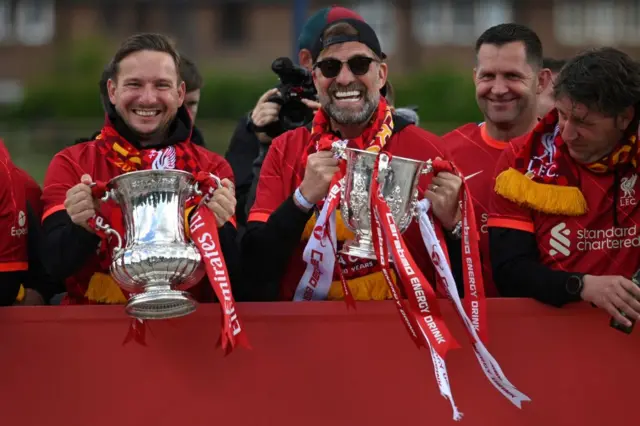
[{"x": 311, "y": 364}]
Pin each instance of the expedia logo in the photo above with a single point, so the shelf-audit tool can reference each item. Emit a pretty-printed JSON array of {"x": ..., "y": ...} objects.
[
  {"x": 21, "y": 229},
  {"x": 559, "y": 240}
]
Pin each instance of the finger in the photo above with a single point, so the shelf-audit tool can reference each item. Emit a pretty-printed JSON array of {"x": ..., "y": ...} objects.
[
  {"x": 268, "y": 110},
  {"x": 79, "y": 188},
  {"x": 447, "y": 176},
  {"x": 314, "y": 105},
  {"x": 86, "y": 179},
  {"x": 227, "y": 183},
  {"x": 623, "y": 306},
  {"x": 450, "y": 181},
  {"x": 329, "y": 172},
  {"x": 266, "y": 95},
  {"x": 264, "y": 119},
  {"x": 82, "y": 217},
  {"x": 221, "y": 213},
  {"x": 80, "y": 205},
  {"x": 224, "y": 195},
  {"x": 321, "y": 154},
  {"x": 433, "y": 197},
  {"x": 630, "y": 287},
  {"x": 615, "y": 313},
  {"x": 625, "y": 295},
  {"x": 80, "y": 198}
]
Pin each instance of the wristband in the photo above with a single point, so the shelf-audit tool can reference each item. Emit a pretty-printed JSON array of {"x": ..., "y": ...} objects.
[
  {"x": 456, "y": 232},
  {"x": 21, "y": 294},
  {"x": 300, "y": 201}
]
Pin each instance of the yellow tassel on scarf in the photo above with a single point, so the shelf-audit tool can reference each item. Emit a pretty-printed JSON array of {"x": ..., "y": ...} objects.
[
  {"x": 545, "y": 198},
  {"x": 103, "y": 289}
]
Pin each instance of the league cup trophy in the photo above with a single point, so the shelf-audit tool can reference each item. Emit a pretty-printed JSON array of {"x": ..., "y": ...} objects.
[
  {"x": 157, "y": 261},
  {"x": 398, "y": 180}
]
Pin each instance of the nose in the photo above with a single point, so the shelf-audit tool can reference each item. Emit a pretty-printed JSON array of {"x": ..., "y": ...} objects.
[
  {"x": 345, "y": 76},
  {"x": 499, "y": 86},
  {"x": 148, "y": 95}
]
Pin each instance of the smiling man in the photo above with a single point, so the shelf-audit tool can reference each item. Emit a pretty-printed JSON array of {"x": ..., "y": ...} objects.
[
  {"x": 565, "y": 216},
  {"x": 508, "y": 77},
  {"x": 147, "y": 127},
  {"x": 349, "y": 70}
]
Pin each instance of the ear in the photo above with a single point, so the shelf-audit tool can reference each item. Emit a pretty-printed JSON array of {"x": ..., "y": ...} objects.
[
  {"x": 182, "y": 89},
  {"x": 383, "y": 72},
  {"x": 475, "y": 72},
  {"x": 111, "y": 90},
  {"x": 625, "y": 117},
  {"x": 304, "y": 59},
  {"x": 544, "y": 80}
]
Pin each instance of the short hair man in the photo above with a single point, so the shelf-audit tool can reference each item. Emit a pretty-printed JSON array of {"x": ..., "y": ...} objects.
[
  {"x": 147, "y": 127},
  {"x": 564, "y": 219},
  {"x": 546, "y": 100},
  {"x": 508, "y": 77},
  {"x": 296, "y": 174}
]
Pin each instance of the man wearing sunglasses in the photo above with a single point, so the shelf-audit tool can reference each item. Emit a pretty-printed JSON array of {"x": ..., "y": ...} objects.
[{"x": 349, "y": 71}]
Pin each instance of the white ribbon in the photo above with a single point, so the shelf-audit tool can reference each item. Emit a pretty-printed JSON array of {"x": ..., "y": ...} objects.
[
  {"x": 487, "y": 362},
  {"x": 319, "y": 255}
]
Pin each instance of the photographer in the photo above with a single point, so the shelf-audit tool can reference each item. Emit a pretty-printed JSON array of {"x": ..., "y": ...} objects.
[{"x": 252, "y": 137}]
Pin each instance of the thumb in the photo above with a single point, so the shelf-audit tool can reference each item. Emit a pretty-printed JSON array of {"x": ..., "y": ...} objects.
[
  {"x": 227, "y": 183},
  {"x": 86, "y": 179}
]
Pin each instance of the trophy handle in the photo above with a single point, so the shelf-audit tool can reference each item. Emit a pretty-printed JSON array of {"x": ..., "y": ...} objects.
[
  {"x": 107, "y": 229},
  {"x": 339, "y": 148},
  {"x": 428, "y": 167},
  {"x": 197, "y": 187}
]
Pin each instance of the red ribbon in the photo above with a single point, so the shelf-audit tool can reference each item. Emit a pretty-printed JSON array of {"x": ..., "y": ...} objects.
[
  {"x": 474, "y": 300},
  {"x": 424, "y": 308},
  {"x": 204, "y": 234}
]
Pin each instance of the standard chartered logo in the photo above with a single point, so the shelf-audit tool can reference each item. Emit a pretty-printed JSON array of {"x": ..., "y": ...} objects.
[
  {"x": 559, "y": 241},
  {"x": 592, "y": 239}
]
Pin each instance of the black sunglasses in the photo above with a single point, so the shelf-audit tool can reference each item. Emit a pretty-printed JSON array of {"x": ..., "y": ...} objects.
[{"x": 330, "y": 68}]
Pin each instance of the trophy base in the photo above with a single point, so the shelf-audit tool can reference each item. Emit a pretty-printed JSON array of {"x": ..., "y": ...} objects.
[
  {"x": 160, "y": 304},
  {"x": 361, "y": 248}
]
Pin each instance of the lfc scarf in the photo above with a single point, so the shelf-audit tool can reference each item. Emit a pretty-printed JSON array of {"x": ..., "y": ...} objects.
[
  {"x": 362, "y": 280},
  {"x": 545, "y": 178}
]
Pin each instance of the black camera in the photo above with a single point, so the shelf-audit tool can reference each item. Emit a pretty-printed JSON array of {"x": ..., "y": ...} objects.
[{"x": 296, "y": 83}]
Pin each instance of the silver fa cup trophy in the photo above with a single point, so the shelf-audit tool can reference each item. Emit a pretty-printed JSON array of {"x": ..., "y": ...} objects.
[
  {"x": 398, "y": 181},
  {"x": 157, "y": 261}
]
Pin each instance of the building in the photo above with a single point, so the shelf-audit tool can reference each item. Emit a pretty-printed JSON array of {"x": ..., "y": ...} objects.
[{"x": 249, "y": 34}]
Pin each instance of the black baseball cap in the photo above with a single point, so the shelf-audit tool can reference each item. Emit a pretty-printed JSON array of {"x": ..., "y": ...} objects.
[{"x": 365, "y": 35}]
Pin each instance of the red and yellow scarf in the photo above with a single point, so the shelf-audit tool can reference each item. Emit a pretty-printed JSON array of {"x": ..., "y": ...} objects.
[
  {"x": 545, "y": 178},
  {"x": 367, "y": 283}
]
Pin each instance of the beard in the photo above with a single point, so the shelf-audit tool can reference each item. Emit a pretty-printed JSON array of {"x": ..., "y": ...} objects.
[{"x": 349, "y": 116}]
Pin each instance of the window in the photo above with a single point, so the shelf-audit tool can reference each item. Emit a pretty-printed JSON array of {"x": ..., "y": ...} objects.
[
  {"x": 603, "y": 22},
  {"x": 457, "y": 22},
  {"x": 35, "y": 21},
  {"x": 232, "y": 24},
  {"x": 5, "y": 20},
  {"x": 381, "y": 15}
]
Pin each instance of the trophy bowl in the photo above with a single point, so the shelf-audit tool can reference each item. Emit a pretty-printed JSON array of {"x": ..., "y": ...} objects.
[
  {"x": 398, "y": 183},
  {"x": 157, "y": 261}
]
